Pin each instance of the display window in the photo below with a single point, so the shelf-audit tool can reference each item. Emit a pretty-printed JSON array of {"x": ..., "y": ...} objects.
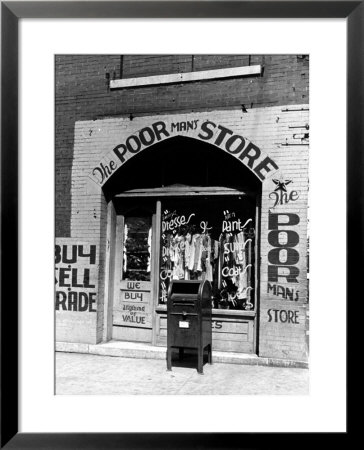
[
  {"x": 213, "y": 239},
  {"x": 195, "y": 220}
]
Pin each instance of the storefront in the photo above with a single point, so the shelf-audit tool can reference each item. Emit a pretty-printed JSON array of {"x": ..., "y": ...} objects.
[
  {"x": 192, "y": 220},
  {"x": 208, "y": 195}
]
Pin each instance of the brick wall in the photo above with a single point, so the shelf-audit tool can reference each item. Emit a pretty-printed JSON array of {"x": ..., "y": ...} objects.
[
  {"x": 82, "y": 93},
  {"x": 77, "y": 290},
  {"x": 283, "y": 302},
  {"x": 91, "y": 121}
]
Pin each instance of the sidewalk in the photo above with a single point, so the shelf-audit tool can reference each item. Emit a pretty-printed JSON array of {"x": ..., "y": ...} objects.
[
  {"x": 88, "y": 374},
  {"x": 142, "y": 350}
]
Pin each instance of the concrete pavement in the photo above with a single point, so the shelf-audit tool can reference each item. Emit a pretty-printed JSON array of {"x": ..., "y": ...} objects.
[
  {"x": 93, "y": 374},
  {"x": 142, "y": 350}
]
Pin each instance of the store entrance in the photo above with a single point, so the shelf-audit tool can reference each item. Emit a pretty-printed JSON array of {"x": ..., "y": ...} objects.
[
  {"x": 132, "y": 318},
  {"x": 168, "y": 234},
  {"x": 184, "y": 210}
]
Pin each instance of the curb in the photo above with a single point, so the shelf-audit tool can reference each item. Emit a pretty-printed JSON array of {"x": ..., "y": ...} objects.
[{"x": 145, "y": 351}]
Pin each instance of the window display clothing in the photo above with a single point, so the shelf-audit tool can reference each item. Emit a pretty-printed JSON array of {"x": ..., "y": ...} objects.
[{"x": 226, "y": 262}]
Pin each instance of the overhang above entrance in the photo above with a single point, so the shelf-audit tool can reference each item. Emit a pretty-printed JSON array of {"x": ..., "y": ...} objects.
[{"x": 182, "y": 191}]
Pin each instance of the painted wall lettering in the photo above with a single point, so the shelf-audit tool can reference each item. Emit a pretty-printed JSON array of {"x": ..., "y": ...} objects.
[
  {"x": 184, "y": 126},
  {"x": 133, "y": 306},
  {"x": 133, "y": 285},
  {"x": 145, "y": 137},
  {"x": 285, "y": 292},
  {"x": 282, "y": 259},
  {"x": 280, "y": 195},
  {"x": 238, "y": 146},
  {"x": 283, "y": 316},
  {"x": 68, "y": 254},
  {"x": 135, "y": 315},
  {"x": 76, "y": 301},
  {"x": 76, "y": 277},
  {"x": 282, "y": 198},
  {"x": 216, "y": 324},
  {"x": 244, "y": 150},
  {"x": 133, "y": 296},
  {"x": 103, "y": 172}
]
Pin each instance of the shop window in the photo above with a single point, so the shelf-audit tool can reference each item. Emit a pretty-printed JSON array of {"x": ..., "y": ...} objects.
[
  {"x": 213, "y": 239},
  {"x": 137, "y": 248}
]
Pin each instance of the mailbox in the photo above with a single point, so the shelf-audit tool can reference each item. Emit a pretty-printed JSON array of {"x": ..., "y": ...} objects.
[{"x": 189, "y": 319}]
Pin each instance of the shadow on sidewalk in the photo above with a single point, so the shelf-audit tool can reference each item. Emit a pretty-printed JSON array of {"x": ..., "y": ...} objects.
[{"x": 187, "y": 358}]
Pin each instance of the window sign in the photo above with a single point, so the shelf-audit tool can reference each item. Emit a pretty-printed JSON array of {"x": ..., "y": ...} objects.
[{"x": 213, "y": 240}]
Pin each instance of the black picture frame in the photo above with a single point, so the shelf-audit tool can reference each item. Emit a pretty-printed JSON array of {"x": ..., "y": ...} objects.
[{"x": 11, "y": 12}]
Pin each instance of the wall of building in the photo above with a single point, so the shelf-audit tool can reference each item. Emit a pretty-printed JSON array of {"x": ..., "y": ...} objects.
[
  {"x": 92, "y": 120},
  {"x": 78, "y": 287},
  {"x": 82, "y": 93}
]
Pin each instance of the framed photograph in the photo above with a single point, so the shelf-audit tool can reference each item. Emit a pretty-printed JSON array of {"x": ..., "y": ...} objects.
[{"x": 178, "y": 217}]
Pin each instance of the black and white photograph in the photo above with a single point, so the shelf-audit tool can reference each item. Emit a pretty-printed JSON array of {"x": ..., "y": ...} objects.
[
  {"x": 182, "y": 224},
  {"x": 181, "y": 201}
]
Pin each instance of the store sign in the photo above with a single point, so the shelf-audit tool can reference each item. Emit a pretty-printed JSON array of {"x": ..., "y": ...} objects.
[
  {"x": 133, "y": 307},
  {"x": 241, "y": 148},
  {"x": 136, "y": 315},
  {"x": 283, "y": 316},
  {"x": 283, "y": 257},
  {"x": 284, "y": 292},
  {"x": 76, "y": 272}
]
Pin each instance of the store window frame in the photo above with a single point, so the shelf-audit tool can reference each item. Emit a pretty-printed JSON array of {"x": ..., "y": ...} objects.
[{"x": 157, "y": 195}]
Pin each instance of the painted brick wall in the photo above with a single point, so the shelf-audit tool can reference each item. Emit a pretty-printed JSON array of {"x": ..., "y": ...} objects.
[
  {"x": 78, "y": 288},
  {"x": 82, "y": 94},
  {"x": 282, "y": 317},
  {"x": 91, "y": 120}
]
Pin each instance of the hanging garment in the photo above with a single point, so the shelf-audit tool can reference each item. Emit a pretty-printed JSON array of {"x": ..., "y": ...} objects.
[
  {"x": 199, "y": 256},
  {"x": 218, "y": 270},
  {"x": 174, "y": 259},
  {"x": 198, "y": 252},
  {"x": 178, "y": 269},
  {"x": 244, "y": 281},
  {"x": 204, "y": 251},
  {"x": 242, "y": 286},
  {"x": 192, "y": 252},
  {"x": 216, "y": 249},
  {"x": 188, "y": 249},
  {"x": 209, "y": 268}
]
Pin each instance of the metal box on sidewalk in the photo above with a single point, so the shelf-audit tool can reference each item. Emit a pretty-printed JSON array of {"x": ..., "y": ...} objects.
[{"x": 189, "y": 319}]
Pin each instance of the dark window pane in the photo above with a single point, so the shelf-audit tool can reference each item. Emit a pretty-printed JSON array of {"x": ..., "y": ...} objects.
[{"x": 137, "y": 248}]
